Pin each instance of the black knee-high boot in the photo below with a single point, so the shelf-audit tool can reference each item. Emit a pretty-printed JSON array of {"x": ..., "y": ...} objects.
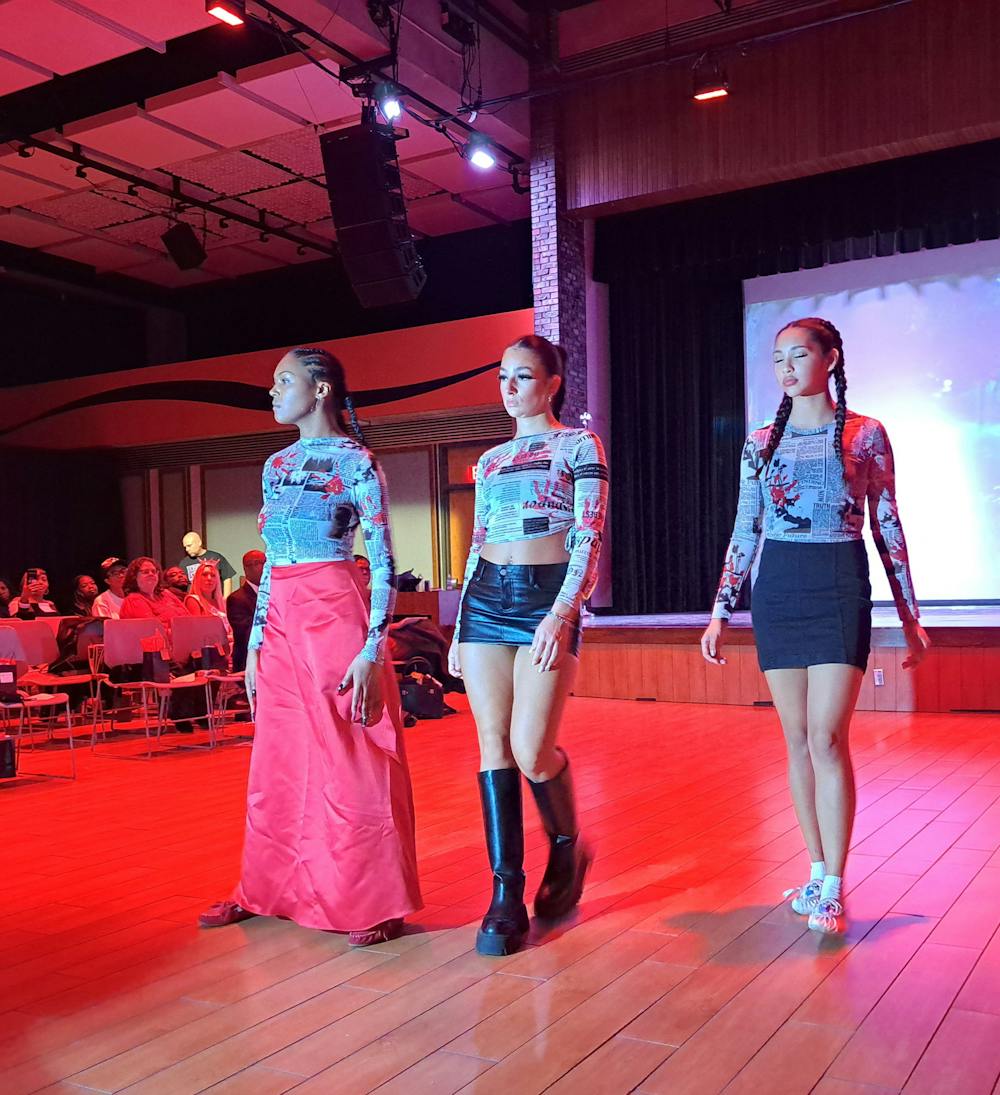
[
  {"x": 569, "y": 858},
  {"x": 506, "y": 922}
]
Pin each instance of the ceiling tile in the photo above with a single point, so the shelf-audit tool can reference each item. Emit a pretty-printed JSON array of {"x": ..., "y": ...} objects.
[
  {"x": 159, "y": 21},
  {"x": 439, "y": 215},
  {"x": 101, "y": 254},
  {"x": 231, "y": 173},
  {"x": 220, "y": 113},
  {"x": 164, "y": 272},
  {"x": 14, "y": 76},
  {"x": 234, "y": 262},
  {"x": 298, "y": 150},
  {"x": 27, "y": 230},
  {"x": 503, "y": 202},
  {"x": 301, "y": 87},
  {"x": 90, "y": 209},
  {"x": 451, "y": 172},
  {"x": 57, "y": 38},
  {"x": 129, "y": 133},
  {"x": 16, "y": 189},
  {"x": 283, "y": 251},
  {"x": 298, "y": 201},
  {"x": 43, "y": 166}
]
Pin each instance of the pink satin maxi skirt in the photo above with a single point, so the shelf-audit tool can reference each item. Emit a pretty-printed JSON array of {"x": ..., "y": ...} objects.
[{"x": 329, "y": 835}]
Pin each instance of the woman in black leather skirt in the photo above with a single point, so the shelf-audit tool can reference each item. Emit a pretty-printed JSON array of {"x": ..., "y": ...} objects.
[{"x": 540, "y": 505}]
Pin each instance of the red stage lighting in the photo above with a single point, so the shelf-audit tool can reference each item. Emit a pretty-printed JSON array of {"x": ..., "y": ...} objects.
[
  {"x": 230, "y": 12},
  {"x": 709, "y": 82}
]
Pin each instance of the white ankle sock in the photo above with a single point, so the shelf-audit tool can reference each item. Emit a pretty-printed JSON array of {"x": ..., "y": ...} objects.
[
  {"x": 817, "y": 870},
  {"x": 833, "y": 886}
]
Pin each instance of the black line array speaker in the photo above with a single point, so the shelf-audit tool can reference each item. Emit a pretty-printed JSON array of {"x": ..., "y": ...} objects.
[{"x": 369, "y": 213}]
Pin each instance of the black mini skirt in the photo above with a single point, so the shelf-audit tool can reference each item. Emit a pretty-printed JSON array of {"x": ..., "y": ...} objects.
[
  {"x": 503, "y": 604},
  {"x": 811, "y": 605}
]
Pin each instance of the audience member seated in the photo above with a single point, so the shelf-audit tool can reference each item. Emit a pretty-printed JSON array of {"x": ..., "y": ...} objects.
[
  {"x": 4, "y": 599},
  {"x": 108, "y": 605},
  {"x": 33, "y": 601},
  {"x": 205, "y": 598},
  {"x": 145, "y": 594},
  {"x": 176, "y": 581},
  {"x": 84, "y": 595},
  {"x": 241, "y": 606}
]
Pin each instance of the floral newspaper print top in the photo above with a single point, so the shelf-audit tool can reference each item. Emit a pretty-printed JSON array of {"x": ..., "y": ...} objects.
[
  {"x": 805, "y": 495},
  {"x": 316, "y": 493},
  {"x": 533, "y": 486}
]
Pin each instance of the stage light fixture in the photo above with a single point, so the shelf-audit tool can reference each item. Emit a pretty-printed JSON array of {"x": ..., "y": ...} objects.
[
  {"x": 231, "y": 12},
  {"x": 479, "y": 152},
  {"x": 709, "y": 82},
  {"x": 389, "y": 105}
]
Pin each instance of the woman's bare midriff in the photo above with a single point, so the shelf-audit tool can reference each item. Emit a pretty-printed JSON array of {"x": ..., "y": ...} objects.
[{"x": 544, "y": 549}]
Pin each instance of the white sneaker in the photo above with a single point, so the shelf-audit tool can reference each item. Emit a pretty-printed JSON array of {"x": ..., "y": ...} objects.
[
  {"x": 806, "y": 897},
  {"x": 827, "y": 917}
]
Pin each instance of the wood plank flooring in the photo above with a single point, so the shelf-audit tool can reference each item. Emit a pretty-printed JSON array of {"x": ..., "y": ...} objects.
[{"x": 683, "y": 972}]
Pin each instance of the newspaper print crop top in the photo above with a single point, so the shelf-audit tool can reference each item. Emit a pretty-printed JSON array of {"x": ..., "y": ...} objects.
[
  {"x": 805, "y": 495},
  {"x": 538, "y": 485},
  {"x": 316, "y": 493}
]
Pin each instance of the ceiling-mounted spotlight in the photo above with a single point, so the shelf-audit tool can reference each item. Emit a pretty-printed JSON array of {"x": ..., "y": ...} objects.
[
  {"x": 231, "y": 12},
  {"x": 81, "y": 172},
  {"x": 479, "y": 152},
  {"x": 709, "y": 81},
  {"x": 388, "y": 101}
]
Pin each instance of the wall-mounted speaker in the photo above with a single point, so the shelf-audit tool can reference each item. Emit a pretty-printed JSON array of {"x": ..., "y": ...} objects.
[{"x": 369, "y": 213}]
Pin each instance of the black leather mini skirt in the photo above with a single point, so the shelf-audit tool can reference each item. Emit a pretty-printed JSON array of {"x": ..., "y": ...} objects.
[{"x": 503, "y": 604}]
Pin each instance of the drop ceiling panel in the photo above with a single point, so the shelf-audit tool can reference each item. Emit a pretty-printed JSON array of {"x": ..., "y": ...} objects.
[
  {"x": 282, "y": 251},
  {"x": 43, "y": 166},
  {"x": 219, "y": 113},
  {"x": 298, "y": 201},
  {"x": 302, "y": 88},
  {"x": 129, "y": 133},
  {"x": 29, "y": 231},
  {"x": 450, "y": 172},
  {"x": 422, "y": 140},
  {"x": 503, "y": 202},
  {"x": 439, "y": 216},
  {"x": 324, "y": 229},
  {"x": 146, "y": 232},
  {"x": 14, "y": 75},
  {"x": 16, "y": 189},
  {"x": 101, "y": 254},
  {"x": 89, "y": 210},
  {"x": 234, "y": 262},
  {"x": 231, "y": 173},
  {"x": 164, "y": 272},
  {"x": 298, "y": 150},
  {"x": 160, "y": 21},
  {"x": 57, "y": 38}
]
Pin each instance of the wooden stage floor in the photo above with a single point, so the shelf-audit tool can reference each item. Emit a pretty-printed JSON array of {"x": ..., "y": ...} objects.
[{"x": 683, "y": 971}]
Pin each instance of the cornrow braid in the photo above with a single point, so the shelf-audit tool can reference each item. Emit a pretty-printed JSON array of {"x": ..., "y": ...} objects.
[
  {"x": 775, "y": 433},
  {"x": 353, "y": 415},
  {"x": 840, "y": 414},
  {"x": 322, "y": 365}
]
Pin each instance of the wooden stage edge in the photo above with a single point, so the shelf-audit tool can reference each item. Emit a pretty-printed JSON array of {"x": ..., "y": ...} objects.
[{"x": 659, "y": 658}]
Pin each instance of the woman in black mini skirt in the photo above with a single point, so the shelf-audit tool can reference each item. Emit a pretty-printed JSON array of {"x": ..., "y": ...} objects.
[{"x": 804, "y": 485}]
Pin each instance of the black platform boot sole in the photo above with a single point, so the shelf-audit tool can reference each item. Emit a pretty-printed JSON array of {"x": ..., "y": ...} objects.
[
  {"x": 498, "y": 944},
  {"x": 547, "y": 910}
]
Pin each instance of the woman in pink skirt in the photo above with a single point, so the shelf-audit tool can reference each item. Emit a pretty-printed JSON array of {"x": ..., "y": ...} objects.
[{"x": 329, "y": 837}]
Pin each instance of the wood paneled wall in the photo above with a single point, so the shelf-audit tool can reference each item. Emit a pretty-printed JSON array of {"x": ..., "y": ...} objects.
[
  {"x": 952, "y": 678},
  {"x": 909, "y": 79}
]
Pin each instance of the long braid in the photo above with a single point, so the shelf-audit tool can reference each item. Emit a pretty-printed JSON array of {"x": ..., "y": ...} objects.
[
  {"x": 322, "y": 365},
  {"x": 775, "y": 433},
  {"x": 353, "y": 415}
]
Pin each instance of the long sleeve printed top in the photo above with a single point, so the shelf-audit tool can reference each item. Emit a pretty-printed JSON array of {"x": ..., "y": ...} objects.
[
  {"x": 316, "y": 493},
  {"x": 804, "y": 495},
  {"x": 534, "y": 486}
]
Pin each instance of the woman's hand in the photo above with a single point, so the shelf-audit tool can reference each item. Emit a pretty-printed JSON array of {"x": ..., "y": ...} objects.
[
  {"x": 250, "y": 680},
  {"x": 551, "y": 641},
  {"x": 454, "y": 659},
  {"x": 711, "y": 642},
  {"x": 917, "y": 642},
  {"x": 364, "y": 678}
]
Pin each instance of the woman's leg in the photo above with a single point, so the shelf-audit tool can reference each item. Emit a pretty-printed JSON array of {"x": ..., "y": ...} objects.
[
  {"x": 539, "y": 700},
  {"x": 789, "y": 691},
  {"x": 488, "y": 671},
  {"x": 833, "y": 693}
]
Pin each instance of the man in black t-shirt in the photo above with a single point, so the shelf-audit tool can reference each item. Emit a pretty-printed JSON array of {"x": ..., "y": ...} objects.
[{"x": 196, "y": 553}]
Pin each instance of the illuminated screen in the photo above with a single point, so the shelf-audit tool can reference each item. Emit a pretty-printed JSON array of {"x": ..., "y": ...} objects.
[{"x": 922, "y": 355}]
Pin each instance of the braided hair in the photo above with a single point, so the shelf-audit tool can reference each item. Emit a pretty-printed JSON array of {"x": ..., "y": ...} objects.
[
  {"x": 829, "y": 338},
  {"x": 322, "y": 365}
]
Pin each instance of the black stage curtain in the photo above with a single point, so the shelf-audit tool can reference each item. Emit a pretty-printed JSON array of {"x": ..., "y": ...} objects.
[
  {"x": 60, "y": 511},
  {"x": 675, "y": 275}
]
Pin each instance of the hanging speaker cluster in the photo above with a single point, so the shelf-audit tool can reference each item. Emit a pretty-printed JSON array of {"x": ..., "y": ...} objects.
[{"x": 369, "y": 213}]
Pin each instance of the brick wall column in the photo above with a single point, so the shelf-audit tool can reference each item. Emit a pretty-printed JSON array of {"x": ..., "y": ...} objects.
[{"x": 558, "y": 253}]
